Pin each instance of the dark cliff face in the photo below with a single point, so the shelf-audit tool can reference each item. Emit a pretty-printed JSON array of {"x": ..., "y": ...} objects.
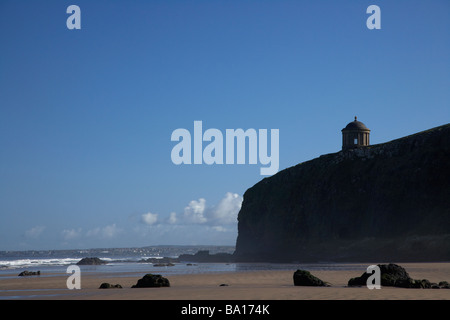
[{"x": 386, "y": 202}]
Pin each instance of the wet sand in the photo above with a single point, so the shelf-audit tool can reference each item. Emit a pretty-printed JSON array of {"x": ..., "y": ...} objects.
[{"x": 251, "y": 285}]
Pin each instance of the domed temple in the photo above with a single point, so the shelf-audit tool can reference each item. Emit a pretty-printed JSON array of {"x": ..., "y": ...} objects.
[{"x": 355, "y": 135}]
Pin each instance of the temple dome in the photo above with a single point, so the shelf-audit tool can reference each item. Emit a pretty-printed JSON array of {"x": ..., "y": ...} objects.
[
  {"x": 355, "y": 135},
  {"x": 356, "y": 125}
]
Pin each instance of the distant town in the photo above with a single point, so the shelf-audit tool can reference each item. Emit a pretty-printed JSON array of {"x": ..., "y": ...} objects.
[{"x": 150, "y": 251}]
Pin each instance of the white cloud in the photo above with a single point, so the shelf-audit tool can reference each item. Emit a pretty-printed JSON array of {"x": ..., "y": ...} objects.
[
  {"x": 71, "y": 234},
  {"x": 106, "y": 232},
  {"x": 226, "y": 211},
  {"x": 34, "y": 232},
  {"x": 149, "y": 218},
  {"x": 198, "y": 220},
  {"x": 172, "y": 218},
  {"x": 195, "y": 210},
  {"x": 219, "y": 229}
]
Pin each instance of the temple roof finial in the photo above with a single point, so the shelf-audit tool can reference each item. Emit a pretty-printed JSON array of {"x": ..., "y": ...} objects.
[{"x": 355, "y": 118}]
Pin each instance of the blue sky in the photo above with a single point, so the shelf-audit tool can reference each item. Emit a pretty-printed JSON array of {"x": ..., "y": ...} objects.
[{"x": 86, "y": 116}]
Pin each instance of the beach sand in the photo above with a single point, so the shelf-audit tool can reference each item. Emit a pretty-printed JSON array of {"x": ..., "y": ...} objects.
[{"x": 251, "y": 285}]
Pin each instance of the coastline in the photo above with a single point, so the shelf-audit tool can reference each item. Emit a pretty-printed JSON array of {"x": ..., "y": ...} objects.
[{"x": 240, "y": 285}]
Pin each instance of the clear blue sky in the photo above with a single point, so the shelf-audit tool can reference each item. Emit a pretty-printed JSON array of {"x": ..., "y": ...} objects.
[{"x": 86, "y": 115}]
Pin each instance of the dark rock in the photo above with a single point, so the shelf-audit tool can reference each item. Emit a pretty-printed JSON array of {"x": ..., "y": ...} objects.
[
  {"x": 424, "y": 284},
  {"x": 205, "y": 256},
  {"x": 223, "y": 285},
  {"x": 393, "y": 275},
  {"x": 106, "y": 285},
  {"x": 305, "y": 278},
  {"x": 444, "y": 285},
  {"x": 29, "y": 273},
  {"x": 152, "y": 280},
  {"x": 91, "y": 261},
  {"x": 381, "y": 202}
]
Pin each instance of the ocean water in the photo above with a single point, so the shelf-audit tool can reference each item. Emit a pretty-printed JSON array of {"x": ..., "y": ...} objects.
[{"x": 128, "y": 262}]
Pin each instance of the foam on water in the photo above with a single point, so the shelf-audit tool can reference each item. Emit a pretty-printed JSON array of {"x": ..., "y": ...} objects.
[{"x": 21, "y": 263}]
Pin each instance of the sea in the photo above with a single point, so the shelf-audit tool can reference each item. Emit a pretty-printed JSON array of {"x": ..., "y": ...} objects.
[{"x": 128, "y": 261}]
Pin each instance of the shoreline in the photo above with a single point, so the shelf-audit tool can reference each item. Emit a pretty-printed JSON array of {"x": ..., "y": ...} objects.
[{"x": 240, "y": 285}]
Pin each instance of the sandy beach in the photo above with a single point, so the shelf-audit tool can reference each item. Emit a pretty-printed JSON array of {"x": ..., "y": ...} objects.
[{"x": 251, "y": 285}]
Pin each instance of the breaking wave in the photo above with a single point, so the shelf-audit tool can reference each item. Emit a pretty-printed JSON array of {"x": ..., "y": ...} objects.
[{"x": 21, "y": 263}]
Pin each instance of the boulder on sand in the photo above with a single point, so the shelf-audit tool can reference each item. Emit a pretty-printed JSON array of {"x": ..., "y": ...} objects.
[
  {"x": 106, "y": 285},
  {"x": 392, "y": 275},
  {"x": 29, "y": 273},
  {"x": 152, "y": 281},
  {"x": 305, "y": 278}
]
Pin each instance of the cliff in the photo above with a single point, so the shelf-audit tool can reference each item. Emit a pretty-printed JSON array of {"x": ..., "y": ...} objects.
[{"x": 385, "y": 202}]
